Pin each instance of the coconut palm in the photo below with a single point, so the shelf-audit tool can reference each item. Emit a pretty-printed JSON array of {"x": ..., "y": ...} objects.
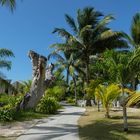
[
  {"x": 107, "y": 94},
  {"x": 67, "y": 62},
  {"x": 90, "y": 36},
  {"x": 121, "y": 68},
  {"x": 9, "y": 3},
  {"x": 134, "y": 40}
]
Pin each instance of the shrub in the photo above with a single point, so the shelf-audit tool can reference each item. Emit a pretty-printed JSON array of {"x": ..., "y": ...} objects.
[
  {"x": 8, "y": 109},
  {"x": 48, "y": 105},
  {"x": 10, "y": 99},
  {"x": 56, "y": 91},
  {"x": 7, "y": 113},
  {"x": 71, "y": 100}
]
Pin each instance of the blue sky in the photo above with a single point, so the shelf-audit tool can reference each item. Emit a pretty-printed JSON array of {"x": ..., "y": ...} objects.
[{"x": 31, "y": 25}]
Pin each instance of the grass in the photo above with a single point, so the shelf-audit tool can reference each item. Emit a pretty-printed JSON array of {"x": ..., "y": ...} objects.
[
  {"x": 94, "y": 126},
  {"x": 29, "y": 115},
  {"x": 23, "y": 118},
  {"x": 4, "y": 138}
]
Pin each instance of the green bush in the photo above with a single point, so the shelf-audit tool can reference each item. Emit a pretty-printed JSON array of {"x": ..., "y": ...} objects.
[
  {"x": 10, "y": 99},
  {"x": 7, "y": 113},
  {"x": 71, "y": 100},
  {"x": 57, "y": 92},
  {"x": 48, "y": 105}
]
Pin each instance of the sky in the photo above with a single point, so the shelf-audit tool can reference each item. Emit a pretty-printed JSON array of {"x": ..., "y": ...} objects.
[{"x": 30, "y": 26}]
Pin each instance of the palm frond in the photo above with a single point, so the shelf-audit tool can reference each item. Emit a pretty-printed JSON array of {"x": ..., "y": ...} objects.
[
  {"x": 135, "y": 28},
  {"x": 6, "y": 53},
  {"x": 9, "y": 3},
  {"x": 104, "y": 22},
  {"x": 5, "y": 64},
  {"x": 62, "y": 32},
  {"x": 71, "y": 22},
  {"x": 134, "y": 98}
]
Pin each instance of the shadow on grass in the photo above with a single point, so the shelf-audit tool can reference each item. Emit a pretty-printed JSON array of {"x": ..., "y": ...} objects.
[
  {"x": 129, "y": 117},
  {"x": 106, "y": 130}
]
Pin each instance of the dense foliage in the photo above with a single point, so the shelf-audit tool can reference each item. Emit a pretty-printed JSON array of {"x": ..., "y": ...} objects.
[{"x": 48, "y": 105}]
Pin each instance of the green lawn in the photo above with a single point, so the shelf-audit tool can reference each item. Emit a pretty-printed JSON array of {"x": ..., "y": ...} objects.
[
  {"x": 3, "y": 138},
  {"x": 93, "y": 126}
]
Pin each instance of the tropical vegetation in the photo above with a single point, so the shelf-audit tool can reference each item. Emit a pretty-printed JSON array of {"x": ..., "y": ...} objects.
[{"x": 92, "y": 63}]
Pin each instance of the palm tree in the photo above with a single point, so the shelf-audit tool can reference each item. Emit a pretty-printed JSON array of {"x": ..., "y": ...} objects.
[
  {"x": 134, "y": 40},
  {"x": 9, "y": 3},
  {"x": 90, "y": 36},
  {"x": 107, "y": 95},
  {"x": 121, "y": 68},
  {"x": 68, "y": 62},
  {"x": 5, "y": 53}
]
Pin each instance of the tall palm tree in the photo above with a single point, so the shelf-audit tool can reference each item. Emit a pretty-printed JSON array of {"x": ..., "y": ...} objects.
[
  {"x": 9, "y": 3},
  {"x": 67, "y": 61},
  {"x": 90, "y": 36},
  {"x": 134, "y": 40}
]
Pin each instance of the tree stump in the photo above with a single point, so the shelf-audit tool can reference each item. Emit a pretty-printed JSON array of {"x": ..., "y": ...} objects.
[{"x": 40, "y": 81}]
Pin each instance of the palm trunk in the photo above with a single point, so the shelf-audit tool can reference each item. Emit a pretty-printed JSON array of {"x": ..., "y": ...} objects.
[
  {"x": 107, "y": 112},
  {"x": 124, "y": 112},
  {"x": 88, "y": 101},
  {"x": 75, "y": 91},
  {"x": 67, "y": 81},
  {"x": 134, "y": 83},
  {"x": 67, "y": 76},
  {"x": 98, "y": 103},
  {"x": 87, "y": 72}
]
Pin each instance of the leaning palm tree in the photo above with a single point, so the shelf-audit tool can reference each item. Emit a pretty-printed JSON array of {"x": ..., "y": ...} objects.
[
  {"x": 9, "y": 3},
  {"x": 90, "y": 36}
]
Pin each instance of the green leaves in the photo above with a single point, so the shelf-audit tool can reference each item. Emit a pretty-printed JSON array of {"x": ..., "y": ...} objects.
[
  {"x": 135, "y": 29},
  {"x": 71, "y": 22},
  {"x": 9, "y": 3},
  {"x": 134, "y": 98},
  {"x": 5, "y": 53}
]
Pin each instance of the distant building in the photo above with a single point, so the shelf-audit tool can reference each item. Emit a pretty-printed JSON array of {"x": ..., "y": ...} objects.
[{"x": 7, "y": 87}]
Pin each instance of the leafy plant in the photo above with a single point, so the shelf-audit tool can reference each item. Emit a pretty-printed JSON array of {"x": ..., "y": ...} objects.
[
  {"x": 107, "y": 95},
  {"x": 7, "y": 113},
  {"x": 48, "y": 105},
  {"x": 56, "y": 92}
]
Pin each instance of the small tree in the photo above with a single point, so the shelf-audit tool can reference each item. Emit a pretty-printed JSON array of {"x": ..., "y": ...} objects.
[{"x": 107, "y": 94}]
